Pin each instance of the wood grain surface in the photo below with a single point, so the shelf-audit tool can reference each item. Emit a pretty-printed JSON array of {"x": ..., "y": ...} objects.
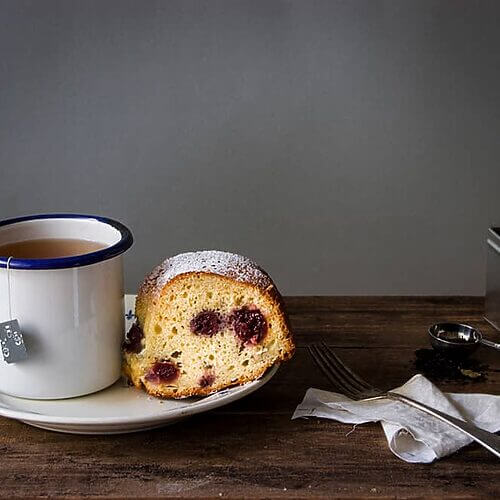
[{"x": 252, "y": 449}]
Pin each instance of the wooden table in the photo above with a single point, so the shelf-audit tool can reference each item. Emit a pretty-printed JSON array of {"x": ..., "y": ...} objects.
[{"x": 252, "y": 448}]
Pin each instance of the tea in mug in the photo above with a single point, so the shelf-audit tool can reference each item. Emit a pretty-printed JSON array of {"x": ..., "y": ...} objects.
[{"x": 49, "y": 248}]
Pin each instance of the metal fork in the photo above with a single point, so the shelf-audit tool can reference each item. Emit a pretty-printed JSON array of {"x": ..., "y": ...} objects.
[{"x": 353, "y": 386}]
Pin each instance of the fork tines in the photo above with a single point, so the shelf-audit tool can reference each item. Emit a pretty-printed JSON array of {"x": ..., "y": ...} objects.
[{"x": 341, "y": 377}]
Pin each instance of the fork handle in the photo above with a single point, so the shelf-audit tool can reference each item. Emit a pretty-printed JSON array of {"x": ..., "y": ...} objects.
[{"x": 487, "y": 439}]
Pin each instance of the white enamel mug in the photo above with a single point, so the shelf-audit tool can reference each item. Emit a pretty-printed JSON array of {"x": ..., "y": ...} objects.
[{"x": 70, "y": 309}]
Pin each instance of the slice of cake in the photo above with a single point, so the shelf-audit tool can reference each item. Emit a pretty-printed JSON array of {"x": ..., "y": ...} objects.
[{"x": 205, "y": 321}]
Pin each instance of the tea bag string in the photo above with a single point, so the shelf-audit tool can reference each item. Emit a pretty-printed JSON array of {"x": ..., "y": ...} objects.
[
  {"x": 12, "y": 348},
  {"x": 8, "y": 287}
]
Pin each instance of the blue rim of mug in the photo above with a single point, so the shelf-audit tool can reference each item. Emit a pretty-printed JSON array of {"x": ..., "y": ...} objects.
[{"x": 114, "y": 250}]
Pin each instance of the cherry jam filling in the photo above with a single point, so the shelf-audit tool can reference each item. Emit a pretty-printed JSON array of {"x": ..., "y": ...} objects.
[
  {"x": 206, "y": 323},
  {"x": 250, "y": 325},
  {"x": 133, "y": 339},
  {"x": 162, "y": 372},
  {"x": 207, "y": 380}
]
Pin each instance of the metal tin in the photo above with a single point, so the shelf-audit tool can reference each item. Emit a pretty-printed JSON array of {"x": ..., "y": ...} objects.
[{"x": 492, "y": 305}]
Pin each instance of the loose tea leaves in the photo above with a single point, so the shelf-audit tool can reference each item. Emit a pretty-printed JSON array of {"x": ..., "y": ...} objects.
[{"x": 437, "y": 366}]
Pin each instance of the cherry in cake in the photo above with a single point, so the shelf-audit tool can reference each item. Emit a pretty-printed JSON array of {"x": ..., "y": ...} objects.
[
  {"x": 206, "y": 321},
  {"x": 249, "y": 324},
  {"x": 133, "y": 339},
  {"x": 162, "y": 372}
]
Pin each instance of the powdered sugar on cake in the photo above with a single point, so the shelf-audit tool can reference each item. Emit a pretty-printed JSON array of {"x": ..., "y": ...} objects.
[{"x": 226, "y": 264}]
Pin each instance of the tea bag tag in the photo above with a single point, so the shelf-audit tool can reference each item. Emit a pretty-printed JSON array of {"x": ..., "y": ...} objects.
[{"x": 12, "y": 342}]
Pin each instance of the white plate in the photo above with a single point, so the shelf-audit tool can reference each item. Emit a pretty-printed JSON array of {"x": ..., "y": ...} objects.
[{"x": 119, "y": 408}]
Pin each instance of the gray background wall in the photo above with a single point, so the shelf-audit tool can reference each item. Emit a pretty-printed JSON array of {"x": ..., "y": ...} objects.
[{"x": 350, "y": 147}]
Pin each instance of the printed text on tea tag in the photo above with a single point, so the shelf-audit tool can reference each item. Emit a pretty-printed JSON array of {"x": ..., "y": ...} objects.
[{"x": 11, "y": 342}]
